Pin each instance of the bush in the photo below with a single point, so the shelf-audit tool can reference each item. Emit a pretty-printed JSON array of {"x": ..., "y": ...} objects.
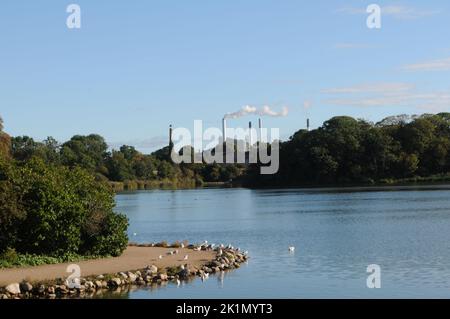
[{"x": 59, "y": 212}]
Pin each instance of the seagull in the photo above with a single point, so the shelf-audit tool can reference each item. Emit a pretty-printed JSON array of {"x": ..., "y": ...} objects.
[
  {"x": 182, "y": 267},
  {"x": 205, "y": 276},
  {"x": 182, "y": 245},
  {"x": 222, "y": 246},
  {"x": 291, "y": 249},
  {"x": 134, "y": 234},
  {"x": 176, "y": 251},
  {"x": 178, "y": 282},
  {"x": 246, "y": 252},
  {"x": 186, "y": 257},
  {"x": 220, "y": 252},
  {"x": 160, "y": 257}
]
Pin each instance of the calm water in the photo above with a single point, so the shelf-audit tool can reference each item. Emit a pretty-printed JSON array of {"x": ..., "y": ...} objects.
[{"x": 337, "y": 234}]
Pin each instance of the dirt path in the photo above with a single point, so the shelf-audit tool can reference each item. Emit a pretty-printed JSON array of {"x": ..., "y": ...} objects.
[{"x": 133, "y": 258}]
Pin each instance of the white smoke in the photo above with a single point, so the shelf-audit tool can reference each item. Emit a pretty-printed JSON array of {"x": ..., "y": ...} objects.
[{"x": 253, "y": 110}]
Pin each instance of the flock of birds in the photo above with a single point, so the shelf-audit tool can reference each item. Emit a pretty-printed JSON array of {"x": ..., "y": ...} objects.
[
  {"x": 218, "y": 248},
  {"x": 211, "y": 246}
]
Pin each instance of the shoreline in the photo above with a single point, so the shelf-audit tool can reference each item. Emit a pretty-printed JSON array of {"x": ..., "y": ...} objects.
[{"x": 139, "y": 265}]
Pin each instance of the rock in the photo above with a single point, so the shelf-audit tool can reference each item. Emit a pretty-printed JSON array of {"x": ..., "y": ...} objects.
[
  {"x": 184, "y": 274},
  {"x": 51, "y": 296},
  {"x": 13, "y": 289},
  {"x": 115, "y": 282},
  {"x": 148, "y": 279},
  {"x": 132, "y": 277},
  {"x": 26, "y": 287},
  {"x": 41, "y": 289},
  {"x": 89, "y": 285},
  {"x": 51, "y": 290},
  {"x": 138, "y": 274},
  {"x": 100, "y": 277},
  {"x": 208, "y": 270},
  {"x": 217, "y": 269},
  {"x": 163, "y": 277},
  {"x": 153, "y": 269},
  {"x": 98, "y": 284},
  {"x": 62, "y": 289},
  {"x": 140, "y": 282},
  {"x": 123, "y": 275},
  {"x": 3, "y": 296}
]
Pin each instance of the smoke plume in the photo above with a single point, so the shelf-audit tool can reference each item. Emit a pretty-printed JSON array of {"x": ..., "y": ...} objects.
[{"x": 253, "y": 110}]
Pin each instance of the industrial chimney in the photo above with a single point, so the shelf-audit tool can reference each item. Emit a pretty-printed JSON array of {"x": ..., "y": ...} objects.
[
  {"x": 251, "y": 133},
  {"x": 170, "y": 135},
  {"x": 307, "y": 124},
  {"x": 224, "y": 130},
  {"x": 260, "y": 131}
]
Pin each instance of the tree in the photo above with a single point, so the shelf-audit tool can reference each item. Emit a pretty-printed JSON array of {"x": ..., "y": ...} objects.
[
  {"x": 89, "y": 152},
  {"x": 5, "y": 142},
  {"x": 59, "y": 211}
]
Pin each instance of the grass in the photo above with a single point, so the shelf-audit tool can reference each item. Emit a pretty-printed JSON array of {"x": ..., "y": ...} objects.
[
  {"x": 153, "y": 184},
  {"x": 11, "y": 259}
]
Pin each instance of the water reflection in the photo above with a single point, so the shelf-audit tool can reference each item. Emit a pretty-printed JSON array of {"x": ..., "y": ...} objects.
[{"x": 337, "y": 234}]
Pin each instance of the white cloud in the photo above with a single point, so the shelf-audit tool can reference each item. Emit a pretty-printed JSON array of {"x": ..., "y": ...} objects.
[
  {"x": 147, "y": 144},
  {"x": 395, "y": 11},
  {"x": 353, "y": 46},
  {"x": 433, "y": 65},
  {"x": 388, "y": 95},
  {"x": 372, "y": 88}
]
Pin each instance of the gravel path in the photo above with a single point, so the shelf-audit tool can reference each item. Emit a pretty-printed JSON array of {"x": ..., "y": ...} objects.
[{"x": 133, "y": 258}]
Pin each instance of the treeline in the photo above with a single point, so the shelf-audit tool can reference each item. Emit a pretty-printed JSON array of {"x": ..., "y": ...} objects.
[
  {"x": 48, "y": 209},
  {"x": 349, "y": 151},
  {"x": 125, "y": 166}
]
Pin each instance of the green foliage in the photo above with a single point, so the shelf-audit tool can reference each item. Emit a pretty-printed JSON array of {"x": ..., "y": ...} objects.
[
  {"x": 346, "y": 150},
  {"x": 10, "y": 258},
  {"x": 55, "y": 210}
]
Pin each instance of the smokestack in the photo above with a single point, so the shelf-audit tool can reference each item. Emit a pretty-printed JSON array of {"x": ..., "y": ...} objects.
[
  {"x": 224, "y": 129},
  {"x": 260, "y": 131},
  {"x": 251, "y": 133},
  {"x": 307, "y": 124},
  {"x": 170, "y": 135}
]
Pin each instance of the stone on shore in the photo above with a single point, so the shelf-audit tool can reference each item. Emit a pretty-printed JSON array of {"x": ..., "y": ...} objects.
[
  {"x": 13, "y": 289},
  {"x": 26, "y": 287}
]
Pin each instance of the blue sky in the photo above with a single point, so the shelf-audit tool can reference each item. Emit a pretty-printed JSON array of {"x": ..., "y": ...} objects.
[{"x": 136, "y": 66}]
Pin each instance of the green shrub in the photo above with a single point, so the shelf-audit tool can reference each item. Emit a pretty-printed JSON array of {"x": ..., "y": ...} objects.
[{"x": 59, "y": 211}]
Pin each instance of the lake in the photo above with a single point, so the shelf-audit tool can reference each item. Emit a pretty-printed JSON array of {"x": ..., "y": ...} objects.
[{"x": 337, "y": 233}]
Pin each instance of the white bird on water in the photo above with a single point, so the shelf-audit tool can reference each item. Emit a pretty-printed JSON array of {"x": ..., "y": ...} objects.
[
  {"x": 205, "y": 276},
  {"x": 186, "y": 257},
  {"x": 291, "y": 249},
  {"x": 178, "y": 282},
  {"x": 134, "y": 234}
]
